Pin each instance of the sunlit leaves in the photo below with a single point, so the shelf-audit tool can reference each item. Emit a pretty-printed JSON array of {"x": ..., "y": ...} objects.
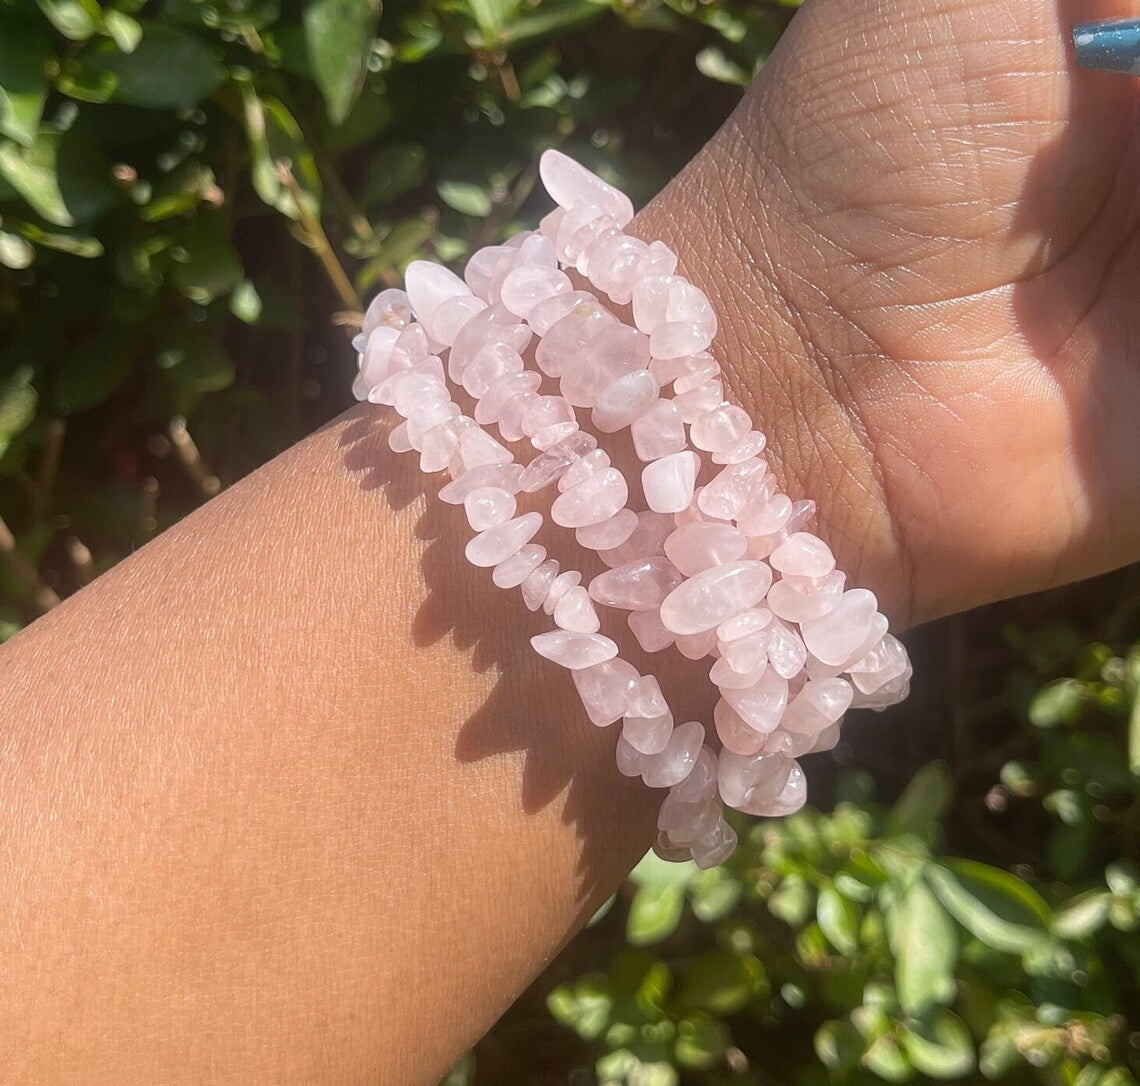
[{"x": 338, "y": 39}]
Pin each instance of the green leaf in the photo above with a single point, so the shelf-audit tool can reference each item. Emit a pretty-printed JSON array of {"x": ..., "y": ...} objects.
[
  {"x": 838, "y": 920},
  {"x": 60, "y": 176},
  {"x": 169, "y": 68},
  {"x": 944, "y": 1049},
  {"x": 1058, "y": 703},
  {"x": 549, "y": 18},
  {"x": 885, "y": 1059},
  {"x": 15, "y": 252},
  {"x": 714, "y": 893},
  {"x": 702, "y": 1041},
  {"x": 1083, "y": 916},
  {"x": 654, "y": 913},
  {"x": 838, "y": 1046},
  {"x": 74, "y": 19},
  {"x": 996, "y": 907},
  {"x": 1132, "y": 675},
  {"x": 17, "y": 406},
  {"x": 466, "y": 197},
  {"x": 394, "y": 170},
  {"x": 24, "y": 52},
  {"x": 338, "y": 39},
  {"x": 791, "y": 901},
  {"x": 715, "y": 64},
  {"x": 925, "y": 946},
  {"x": 723, "y": 983},
  {"x": 92, "y": 372},
  {"x": 124, "y": 31},
  {"x": 921, "y": 807},
  {"x": 583, "y": 1005},
  {"x": 195, "y": 361},
  {"x": 205, "y": 264},
  {"x": 275, "y": 139},
  {"x": 63, "y": 241},
  {"x": 491, "y": 16}
]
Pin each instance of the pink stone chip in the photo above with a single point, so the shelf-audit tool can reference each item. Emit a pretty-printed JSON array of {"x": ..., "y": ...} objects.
[
  {"x": 735, "y": 732},
  {"x": 574, "y": 650},
  {"x": 609, "y": 533},
  {"x": 492, "y": 546},
  {"x": 622, "y": 402},
  {"x": 589, "y": 463},
  {"x": 711, "y": 597},
  {"x": 512, "y": 571},
  {"x": 504, "y": 476},
  {"x": 593, "y": 500},
  {"x": 561, "y": 585},
  {"x": 640, "y": 585},
  {"x": 794, "y": 603},
  {"x": 676, "y": 761},
  {"x": 761, "y": 705},
  {"x": 650, "y": 634},
  {"x": 700, "y": 545},
  {"x": 659, "y": 431},
  {"x": 752, "y": 784},
  {"x": 536, "y": 586},
  {"x": 803, "y": 555},
  {"x": 606, "y": 690},
  {"x": 833, "y": 638},
  {"x": 647, "y": 539},
  {"x": 668, "y": 482},
  {"x": 817, "y": 706},
  {"x": 487, "y": 506},
  {"x": 571, "y": 185},
  {"x": 575, "y": 611},
  {"x": 428, "y": 285},
  {"x": 528, "y": 284},
  {"x": 735, "y": 487}
]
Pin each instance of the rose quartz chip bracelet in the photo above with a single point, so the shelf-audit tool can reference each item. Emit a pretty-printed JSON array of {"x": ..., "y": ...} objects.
[{"x": 716, "y": 565}]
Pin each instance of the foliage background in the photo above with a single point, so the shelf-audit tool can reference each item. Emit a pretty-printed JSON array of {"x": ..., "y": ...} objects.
[{"x": 195, "y": 195}]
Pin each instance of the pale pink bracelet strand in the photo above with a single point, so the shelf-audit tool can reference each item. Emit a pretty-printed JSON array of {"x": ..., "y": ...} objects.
[{"x": 697, "y": 569}]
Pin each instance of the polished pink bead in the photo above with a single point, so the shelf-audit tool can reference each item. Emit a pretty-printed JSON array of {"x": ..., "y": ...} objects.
[
  {"x": 529, "y": 284},
  {"x": 377, "y": 356},
  {"x": 428, "y": 285},
  {"x": 676, "y": 761},
  {"x": 543, "y": 438},
  {"x": 678, "y": 338},
  {"x": 650, "y": 634},
  {"x": 613, "y": 266},
  {"x": 593, "y": 500},
  {"x": 574, "y": 650},
  {"x": 735, "y": 732},
  {"x": 613, "y": 351},
  {"x": 816, "y": 669},
  {"x": 686, "y": 372},
  {"x": 651, "y": 300},
  {"x": 390, "y": 308},
  {"x": 817, "y": 706},
  {"x": 550, "y": 465},
  {"x": 695, "y": 402},
  {"x": 745, "y": 623},
  {"x": 803, "y": 555},
  {"x": 452, "y": 314},
  {"x": 714, "y": 847},
  {"x": 647, "y": 539},
  {"x": 562, "y": 584},
  {"x": 480, "y": 268},
  {"x": 648, "y": 721},
  {"x": 440, "y": 443},
  {"x": 794, "y": 603},
  {"x": 706, "y": 600},
  {"x": 398, "y": 439},
  {"x": 609, "y": 533},
  {"x": 640, "y": 585},
  {"x": 565, "y": 341},
  {"x": 696, "y": 646},
  {"x": 695, "y": 547},
  {"x": 658, "y": 259},
  {"x": 765, "y": 516},
  {"x": 890, "y": 693},
  {"x": 884, "y": 663},
  {"x": 606, "y": 690},
  {"x": 578, "y": 229},
  {"x": 761, "y": 705},
  {"x": 623, "y": 401},
  {"x": 786, "y": 652},
  {"x": 736, "y": 486},
  {"x": 546, "y": 411},
  {"x": 659, "y": 431},
  {"x": 751, "y": 444},
  {"x": 477, "y": 447},
  {"x": 511, "y": 414},
  {"x": 492, "y": 546},
  {"x": 589, "y": 463},
  {"x": 724, "y": 677},
  {"x": 570, "y": 185},
  {"x": 487, "y": 507},
  {"x": 833, "y": 638},
  {"x": 668, "y": 482},
  {"x": 505, "y": 389},
  {"x": 495, "y": 325},
  {"x": 506, "y": 476},
  {"x": 575, "y": 611},
  {"x": 753, "y": 783},
  {"x": 492, "y": 362},
  {"x": 747, "y": 654},
  {"x": 512, "y": 571},
  {"x": 536, "y": 586},
  {"x": 550, "y": 311}
]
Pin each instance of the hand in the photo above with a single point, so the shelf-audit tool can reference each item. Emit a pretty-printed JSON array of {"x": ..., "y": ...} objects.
[{"x": 921, "y": 231}]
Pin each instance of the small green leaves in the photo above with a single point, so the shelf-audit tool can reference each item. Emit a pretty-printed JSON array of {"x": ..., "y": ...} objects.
[
  {"x": 24, "y": 53},
  {"x": 338, "y": 39},
  {"x": 925, "y": 946},
  {"x": 943, "y": 1049},
  {"x": 1056, "y": 704}
]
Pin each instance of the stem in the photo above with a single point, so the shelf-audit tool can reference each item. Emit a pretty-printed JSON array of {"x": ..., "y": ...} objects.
[
  {"x": 43, "y": 597},
  {"x": 41, "y": 493},
  {"x": 319, "y": 242},
  {"x": 191, "y": 459}
]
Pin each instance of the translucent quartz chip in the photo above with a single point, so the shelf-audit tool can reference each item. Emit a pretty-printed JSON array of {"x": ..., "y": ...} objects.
[
  {"x": 696, "y": 646},
  {"x": 510, "y": 385},
  {"x": 398, "y": 439},
  {"x": 658, "y": 259},
  {"x": 477, "y": 447},
  {"x": 488, "y": 506},
  {"x": 529, "y": 284},
  {"x": 816, "y": 669},
  {"x": 400, "y": 374},
  {"x": 748, "y": 654},
  {"x": 887, "y": 695},
  {"x": 548, "y": 466},
  {"x": 546, "y": 411},
  {"x": 480, "y": 268},
  {"x": 749, "y": 781},
  {"x": 886, "y": 661},
  {"x": 725, "y": 677},
  {"x": 512, "y": 413},
  {"x": 696, "y": 401},
  {"x": 561, "y": 585},
  {"x": 701, "y": 545},
  {"x": 613, "y": 266},
  {"x": 647, "y": 701},
  {"x": 451, "y": 315},
  {"x": 833, "y": 637},
  {"x": 736, "y": 486},
  {"x": 413, "y": 389},
  {"x": 763, "y": 704},
  {"x": 574, "y": 650},
  {"x": 597, "y": 362},
  {"x": 803, "y": 555},
  {"x": 763, "y": 517},
  {"x": 495, "y": 325},
  {"x": 678, "y": 338},
  {"x": 685, "y": 372},
  {"x": 648, "y": 735},
  {"x": 797, "y": 600},
  {"x": 505, "y": 476},
  {"x": 575, "y": 611},
  {"x": 390, "y": 308},
  {"x": 751, "y": 444},
  {"x": 710, "y": 597},
  {"x": 786, "y": 651},
  {"x": 550, "y": 311},
  {"x": 511, "y": 572},
  {"x": 676, "y": 761},
  {"x": 492, "y": 362},
  {"x": 440, "y": 443},
  {"x": 817, "y": 706},
  {"x": 650, "y": 634},
  {"x": 685, "y": 823},
  {"x": 623, "y": 401},
  {"x": 743, "y": 624},
  {"x": 543, "y": 438},
  {"x": 606, "y": 689},
  {"x": 735, "y": 732},
  {"x": 590, "y": 249},
  {"x": 377, "y": 355},
  {"x": 659, "y": 431},
  {"x": 492, "y": 546},
  {"x": 716, "y": 847},
  {"x": 593, "y": 500},
  {"x": 607, "y": 534},
  {"x": 700, "y": 784},
  {"x": 536, "y": 587},
  {"x": 570, "y": 185},
  {"x": 668, "y": 483},
  {"x": 630, "y": 761},
  {"x": 565, "y": 341},
  {"x": 589, "y": 463},
  {"x": 640, "y": 585},
  {"x": 647, "y": 539},
  {"x": 428, "y": 285}
]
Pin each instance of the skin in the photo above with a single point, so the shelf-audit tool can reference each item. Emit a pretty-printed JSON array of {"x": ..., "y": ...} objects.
[{"x": 287, "y": 798}]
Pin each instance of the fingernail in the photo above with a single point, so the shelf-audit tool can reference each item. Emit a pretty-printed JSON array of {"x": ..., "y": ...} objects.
[{"x": 1112, "y": 46}]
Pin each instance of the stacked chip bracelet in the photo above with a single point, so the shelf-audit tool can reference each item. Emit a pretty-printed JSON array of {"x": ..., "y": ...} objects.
[{"x": 716, "y": 564}]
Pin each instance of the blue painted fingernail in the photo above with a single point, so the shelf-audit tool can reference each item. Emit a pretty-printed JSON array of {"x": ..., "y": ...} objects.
[{"x": 1112, "y": 46}]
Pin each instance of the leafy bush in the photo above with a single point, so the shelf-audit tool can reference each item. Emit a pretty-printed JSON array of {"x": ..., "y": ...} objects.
[{"x": 189, "y": 188}]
